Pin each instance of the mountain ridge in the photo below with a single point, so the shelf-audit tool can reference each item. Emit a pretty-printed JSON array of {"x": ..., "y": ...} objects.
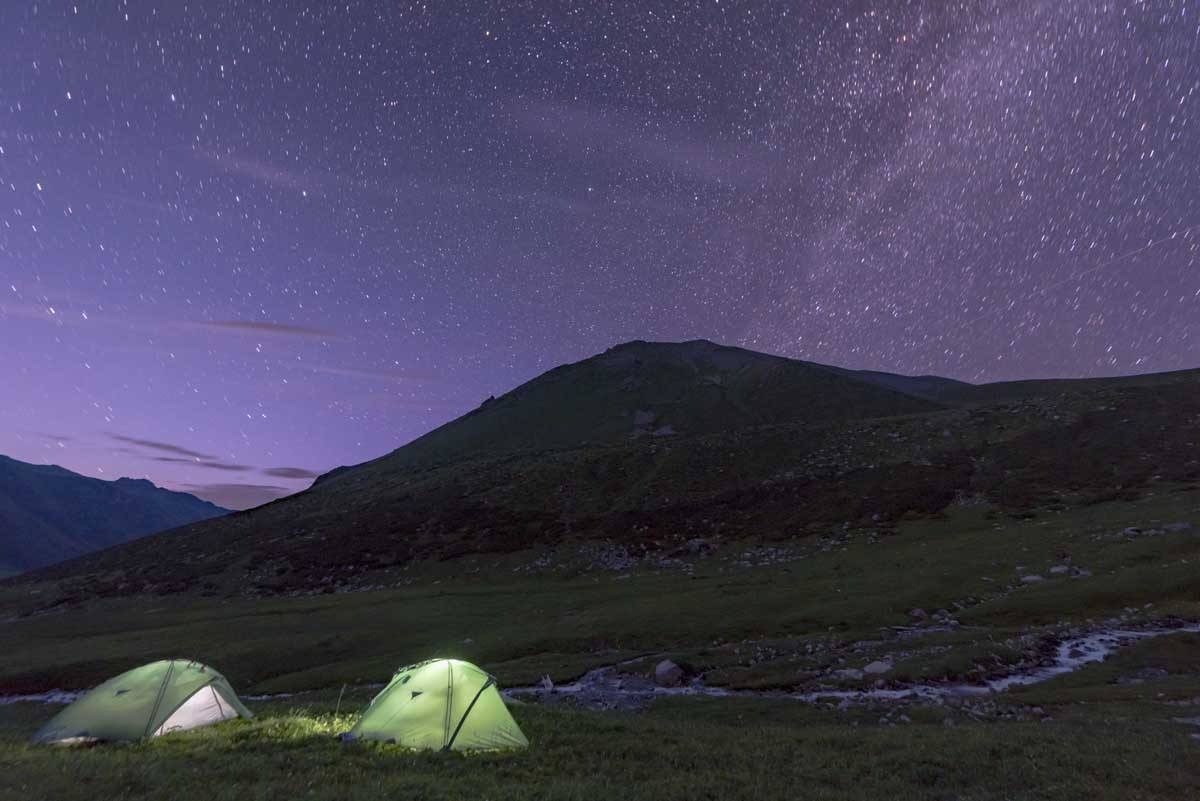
[
  {"x": 49, "y": 514},
  {"x": 649, "y": 445}
]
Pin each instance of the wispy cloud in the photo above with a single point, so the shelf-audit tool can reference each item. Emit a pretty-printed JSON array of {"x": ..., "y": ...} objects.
[
  {"x": 166, "y": 447},
  {"x": 262, "y": 327},
  {"x": 366, "y": 372},
  {"x": 263, "y": 171},
  {"x": 611, "y": 134},
  {"x": 289, "y": 472},
  {"x": 237, "y": 496},
  {"x": 211, "y": 465}
]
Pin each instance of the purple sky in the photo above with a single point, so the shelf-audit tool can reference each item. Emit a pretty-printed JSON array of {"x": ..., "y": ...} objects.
[{"x": 242, "y": 245}]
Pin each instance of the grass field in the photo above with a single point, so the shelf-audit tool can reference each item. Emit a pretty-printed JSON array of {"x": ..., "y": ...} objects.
[
  {"x": 749, "y": 615},
  {"x": 684, "y": 749}
]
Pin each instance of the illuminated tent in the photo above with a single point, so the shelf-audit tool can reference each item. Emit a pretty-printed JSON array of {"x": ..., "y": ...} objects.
[
  {"x": 442, "y": 704},
  {"x": 158, "y": 698}
]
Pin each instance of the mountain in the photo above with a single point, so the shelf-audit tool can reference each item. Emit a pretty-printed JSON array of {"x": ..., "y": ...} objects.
[
  {"x": 649, "y": 446},
  {"x": 48, "y": 514},
  {"x": 655, "y": 389}
]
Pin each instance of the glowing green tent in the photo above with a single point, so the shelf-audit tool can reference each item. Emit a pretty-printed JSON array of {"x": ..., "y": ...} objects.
[
  {"x": 441, "y": 704},
  {"x": 161, "y": 697}
]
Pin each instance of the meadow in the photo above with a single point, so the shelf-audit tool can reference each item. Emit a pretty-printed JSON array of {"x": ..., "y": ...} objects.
[{"x": 785, "y": 616}]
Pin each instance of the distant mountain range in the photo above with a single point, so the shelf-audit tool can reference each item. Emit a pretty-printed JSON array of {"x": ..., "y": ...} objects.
[
  {"x": 48, "y": 514},
  {"x": 650, "y": 445}
]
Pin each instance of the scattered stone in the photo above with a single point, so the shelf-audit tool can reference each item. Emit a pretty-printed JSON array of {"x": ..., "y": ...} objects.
[
  {"x": 1031, "y": 579},
  {"x": 878, "y": 666},
  {"x": 1060, "y": 569},
  {"x": 848, "y": 673},
  {"x": 643, "y": 418},
  {"x": 668, "y": 674},
  {"x": 1144, "y": 674}
]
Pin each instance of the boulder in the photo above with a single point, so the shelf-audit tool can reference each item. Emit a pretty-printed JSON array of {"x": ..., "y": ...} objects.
[
  {"x": 668, "y": 674},
  {"x": 1031, "y": 579},
  {"x": 1059, "y": 569},
  {"x": 918, "y": 613},
  {"x": 848, "y": 673},
  {"x": 878, "y": 666}
]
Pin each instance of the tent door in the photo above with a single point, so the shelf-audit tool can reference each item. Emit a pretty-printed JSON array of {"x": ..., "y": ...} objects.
[{"x": 204, "y": 707}]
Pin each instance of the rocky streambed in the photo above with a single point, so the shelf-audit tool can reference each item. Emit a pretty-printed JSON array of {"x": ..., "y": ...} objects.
[{"x": 609, "y": 687}]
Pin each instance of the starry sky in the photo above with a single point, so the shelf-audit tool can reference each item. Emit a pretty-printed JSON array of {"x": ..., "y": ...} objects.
[{"x": 242, "y": 243}]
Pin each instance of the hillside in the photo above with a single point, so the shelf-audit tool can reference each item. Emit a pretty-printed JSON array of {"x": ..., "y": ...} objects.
[
  {"x": 652, "y": 445},
  {"x": 48, "y": 514},
  {"x": 656, "y": 389}
]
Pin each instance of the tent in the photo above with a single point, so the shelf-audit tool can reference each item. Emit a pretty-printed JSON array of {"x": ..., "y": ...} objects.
[
  {"x": 443, "y": 704},
  {"x": 161, "y": 697}
]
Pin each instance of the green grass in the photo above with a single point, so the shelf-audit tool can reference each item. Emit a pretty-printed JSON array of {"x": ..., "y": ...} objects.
[
  {"x": 685, "y": 749},
  {"x": 766, "y": 626},
  {"x": 782, "y": 625}
]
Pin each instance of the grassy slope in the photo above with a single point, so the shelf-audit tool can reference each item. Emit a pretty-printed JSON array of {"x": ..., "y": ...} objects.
[
  {"x": 773, "y": 482},
  {"x": 685, "y": 749},
  {"x": 835, "y": 590},
  {"x": 1064, "y": 473},
  {"x": 747, "y": 626}
]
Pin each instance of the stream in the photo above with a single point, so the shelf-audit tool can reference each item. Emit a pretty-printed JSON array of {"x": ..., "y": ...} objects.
[{"x": 606, "y": 684}]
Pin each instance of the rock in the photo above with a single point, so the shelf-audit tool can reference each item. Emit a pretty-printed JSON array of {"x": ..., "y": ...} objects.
[
  {"x": 1031, "y": 579},
  {"x": 848, "y": 673},
  {"x": 664, "y": 431},
  {"x": 547, "y": 684},
  {"x": 1059, "y": 569},
  {"x": 1177, "y": 527},
  {"x": 1132, "y": 531},
  {"x": 643, "y": 418},
  {"x": 918, "y": 613},
  {"x": 668, "y": 674},
  {"x": 878, "y": 666},
  {"x": 1144, "y": 674}
]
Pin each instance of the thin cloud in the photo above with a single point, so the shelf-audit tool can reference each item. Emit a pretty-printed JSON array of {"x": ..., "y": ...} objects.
[
  {"x": 262, "y": 327},
  {"x": 54, "y": 437},
  {"x": 596, "y": 133},
  {"x": 235, "y": 468},
  {"x": 238, "y": 496},
  {"x": 364, "y": 372},
  {"x": 163, "y": 446},
  {"x": 289, "y": 472},
  {"x": 263, "y": 171}
]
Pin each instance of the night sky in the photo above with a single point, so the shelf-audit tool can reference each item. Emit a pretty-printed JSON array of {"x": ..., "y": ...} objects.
[{"x": 241, "y": 244}]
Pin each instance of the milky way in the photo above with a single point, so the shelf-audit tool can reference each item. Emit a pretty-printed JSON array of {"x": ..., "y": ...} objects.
[{"x": 241, "y": 244}]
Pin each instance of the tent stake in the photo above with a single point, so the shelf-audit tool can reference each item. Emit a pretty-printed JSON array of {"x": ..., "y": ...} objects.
[{"x": 339, "y": 703}]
